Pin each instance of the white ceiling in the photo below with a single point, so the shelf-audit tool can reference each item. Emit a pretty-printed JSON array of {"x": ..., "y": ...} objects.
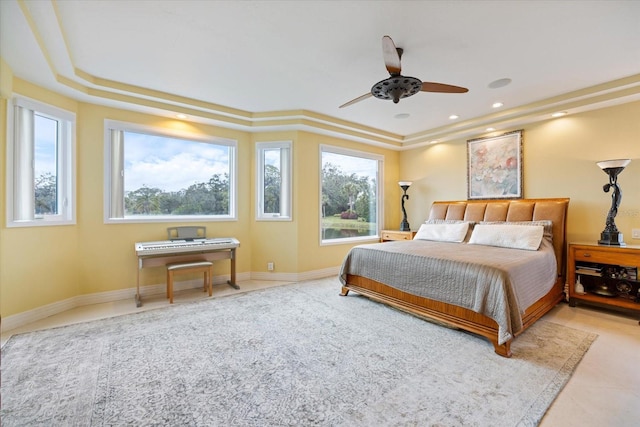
[{"x": 267, "y": 65}]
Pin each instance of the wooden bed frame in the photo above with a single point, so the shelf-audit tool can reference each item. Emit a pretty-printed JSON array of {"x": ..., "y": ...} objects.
[{"x": 462, "y": 318}]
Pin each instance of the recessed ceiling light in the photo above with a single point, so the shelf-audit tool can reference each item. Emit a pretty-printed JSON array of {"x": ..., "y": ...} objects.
[
  {"x": 490, "y": 129},
  {"x": 402, "y": 115},
  {"x": 453, "y": 117},
  {"x": 497, "y": 104},
  {"x": 499, "y": 83},
  {"x": 181, "y": 116},
  {"x": 435, "y": 141},
  {"x": 559, "y": 114}
]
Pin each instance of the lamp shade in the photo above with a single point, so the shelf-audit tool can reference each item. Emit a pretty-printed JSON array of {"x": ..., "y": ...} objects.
[
  {"x": 405, "y": 183},
  {"x": 610, "y": 164}
]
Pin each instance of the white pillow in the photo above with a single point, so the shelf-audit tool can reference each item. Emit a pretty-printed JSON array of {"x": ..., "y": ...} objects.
[
  {"x": 526, "y": 237},
  {"x": 453, "y": 221},
  {"x": 547, "y": 224},
  {"x": 443, "y": 232}
]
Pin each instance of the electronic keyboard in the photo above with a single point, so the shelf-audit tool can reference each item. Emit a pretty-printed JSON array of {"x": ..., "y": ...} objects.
[{"x": 172, "y": 247}]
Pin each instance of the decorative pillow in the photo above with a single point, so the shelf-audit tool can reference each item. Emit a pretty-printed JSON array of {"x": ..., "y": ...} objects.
[
  {"x": 453, "y": 221},
  {"x": 546, "y": 223},
  {"x": 526, "y": 237},
  {"x": 443, "y": 232}
]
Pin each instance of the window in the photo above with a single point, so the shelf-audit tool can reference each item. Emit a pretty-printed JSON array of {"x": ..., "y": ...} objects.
[
  {"x": 155, "y": 175},
  {"x": 40, "y": 165},
  {"x": 350, "y": 194},
  {"x": 273, "y": 160}
]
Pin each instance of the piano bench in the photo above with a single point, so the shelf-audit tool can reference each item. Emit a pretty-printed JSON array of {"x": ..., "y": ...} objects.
[{"x": 205, "y": 267}]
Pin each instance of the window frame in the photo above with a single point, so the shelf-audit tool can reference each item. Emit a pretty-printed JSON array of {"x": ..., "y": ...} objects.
[
  {"x": 66, "y": 166},
  {"x": 379, "y": 196},
  {"x": 110, "y": 168},
  {"x": 286, "y": 172}
]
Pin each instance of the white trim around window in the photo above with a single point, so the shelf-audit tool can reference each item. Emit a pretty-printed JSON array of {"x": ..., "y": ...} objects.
[
  {"x": 114, "y": 175},
  {"x": 22, "y": 139},
  {"x": 378, "y": 206},
  {"x": 273, "y": 181}
]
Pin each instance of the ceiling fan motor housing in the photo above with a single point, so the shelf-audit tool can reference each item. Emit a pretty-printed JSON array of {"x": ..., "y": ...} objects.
[{"x": 396, "y": 87}]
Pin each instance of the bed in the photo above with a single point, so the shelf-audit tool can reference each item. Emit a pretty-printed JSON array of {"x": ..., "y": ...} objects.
[{"x": 494, "y": 291}]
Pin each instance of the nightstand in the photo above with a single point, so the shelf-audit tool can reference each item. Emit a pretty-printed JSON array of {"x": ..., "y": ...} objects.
[
  {"x": 608, "y": 274},
  {"x": 388, "y": 235}
]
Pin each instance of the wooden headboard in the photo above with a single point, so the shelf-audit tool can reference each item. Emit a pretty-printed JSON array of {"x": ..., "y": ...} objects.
[{"x": 511, "y": 210}]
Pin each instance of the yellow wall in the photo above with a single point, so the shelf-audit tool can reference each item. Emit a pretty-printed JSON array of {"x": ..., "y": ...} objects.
[
  {"x": 6, "y": 80},
  {"x": 312, "y": 256},
  {"x": 559, "y": 160},
  {"x": 294, "y": 246},
  {"x": 108, "y": 259},
  {"x": 38, "y": 265},
  {"x": 43, "y": 265}
]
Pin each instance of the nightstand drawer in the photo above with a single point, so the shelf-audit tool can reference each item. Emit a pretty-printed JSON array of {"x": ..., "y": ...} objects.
[
  {"x": 605, "y": 256},
  {"x": 388, "y": 235}
]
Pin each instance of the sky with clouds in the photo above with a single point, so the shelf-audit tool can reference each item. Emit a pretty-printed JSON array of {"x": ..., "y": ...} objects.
[
  {"x": 45, "y": 137},
  {"x": 170, "y": 164},
  {"x": 173, "y": 164},
  {"x": 351, "y": 164}
]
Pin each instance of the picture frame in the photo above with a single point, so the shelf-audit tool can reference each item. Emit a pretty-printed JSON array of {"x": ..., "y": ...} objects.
[{"x": 494, "y": 166}]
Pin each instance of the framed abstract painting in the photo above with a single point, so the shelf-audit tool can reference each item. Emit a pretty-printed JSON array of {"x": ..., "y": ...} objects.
[{"x": 494, "y": 167}]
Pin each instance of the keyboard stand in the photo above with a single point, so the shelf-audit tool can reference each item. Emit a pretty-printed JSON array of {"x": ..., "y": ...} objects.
[{"x": 212, "y": 254}]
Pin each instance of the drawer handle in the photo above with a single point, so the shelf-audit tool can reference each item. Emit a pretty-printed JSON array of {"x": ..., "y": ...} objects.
[{"x": 587, "y": 255}]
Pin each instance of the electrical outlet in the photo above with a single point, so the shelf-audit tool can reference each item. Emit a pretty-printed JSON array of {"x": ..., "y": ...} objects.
[
  {"x": 270, "y": 266},
  {"x": 635, "y": 233}
]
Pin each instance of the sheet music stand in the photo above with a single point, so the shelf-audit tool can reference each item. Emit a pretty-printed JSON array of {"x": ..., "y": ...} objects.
[{"x": 188, "y": 233}]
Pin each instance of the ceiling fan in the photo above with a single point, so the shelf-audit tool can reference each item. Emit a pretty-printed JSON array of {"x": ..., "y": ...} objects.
[{"x": 398, "y": 86}]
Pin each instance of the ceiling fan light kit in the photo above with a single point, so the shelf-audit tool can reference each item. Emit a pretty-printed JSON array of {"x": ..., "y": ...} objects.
[
  {"x": 398, "y": 86},
  {"x": 395, "y": 88}
]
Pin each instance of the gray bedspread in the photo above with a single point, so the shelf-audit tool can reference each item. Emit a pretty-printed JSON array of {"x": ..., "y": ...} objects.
[{"x": 498, "y": 282}]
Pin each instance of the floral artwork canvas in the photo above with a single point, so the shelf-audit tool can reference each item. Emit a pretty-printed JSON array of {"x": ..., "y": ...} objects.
[{"x": 494, "y": 168}]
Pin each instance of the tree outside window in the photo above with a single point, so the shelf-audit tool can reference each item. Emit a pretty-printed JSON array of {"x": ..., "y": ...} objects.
[
  {"x": 273, "y": 183},
  {"x": 40, "y": 165},
  {"x": 160, "y": 177},
  {"x": 350, "y": 194}
]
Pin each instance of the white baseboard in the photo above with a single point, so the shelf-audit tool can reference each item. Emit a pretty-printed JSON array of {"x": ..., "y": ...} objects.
[
  {"x": 296, "y": 277},
  {"x": 30, "y": 316}
]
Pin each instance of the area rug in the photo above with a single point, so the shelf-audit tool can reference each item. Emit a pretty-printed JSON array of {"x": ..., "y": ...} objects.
[{"x": 293, "y": 355}]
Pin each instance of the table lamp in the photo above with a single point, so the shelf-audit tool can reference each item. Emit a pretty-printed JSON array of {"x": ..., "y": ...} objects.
[
  {"x": 404, "y": 225},
  {"x": 611, "y": 236}
]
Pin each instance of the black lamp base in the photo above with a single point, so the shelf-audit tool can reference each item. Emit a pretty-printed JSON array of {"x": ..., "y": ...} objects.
[
  {"x": 404, "y": 226},
  {"x": 611, "y": 238}
]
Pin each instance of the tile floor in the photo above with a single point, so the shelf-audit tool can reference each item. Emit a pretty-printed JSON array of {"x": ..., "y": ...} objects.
[{"x": 603, "y": 392}]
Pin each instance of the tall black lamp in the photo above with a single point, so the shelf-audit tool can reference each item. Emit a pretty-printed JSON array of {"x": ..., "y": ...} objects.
[
  {"x": 404, "y": 225},
  {"x": 611, "y": 236}
]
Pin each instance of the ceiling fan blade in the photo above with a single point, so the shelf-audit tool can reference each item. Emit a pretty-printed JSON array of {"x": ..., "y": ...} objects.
[
  {"x": 391, "y": 56},
  {"x": 441, "y": 87},
  {"x": 358, "y": 99}
]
